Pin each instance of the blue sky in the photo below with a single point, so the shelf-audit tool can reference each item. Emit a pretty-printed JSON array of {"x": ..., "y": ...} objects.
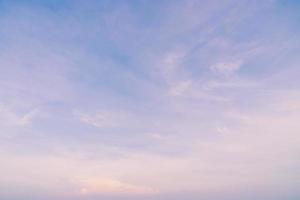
[{"x": 149, "y": 100}]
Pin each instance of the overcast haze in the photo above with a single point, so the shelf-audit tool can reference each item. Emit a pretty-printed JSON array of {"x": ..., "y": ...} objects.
[{"x": 149, "y": 100}]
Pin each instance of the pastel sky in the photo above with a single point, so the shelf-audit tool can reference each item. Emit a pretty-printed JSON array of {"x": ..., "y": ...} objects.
[{"x": 149, "y": 99}]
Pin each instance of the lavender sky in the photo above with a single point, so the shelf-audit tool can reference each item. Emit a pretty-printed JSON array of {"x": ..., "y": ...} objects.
[{"x": 149, "y": 99}]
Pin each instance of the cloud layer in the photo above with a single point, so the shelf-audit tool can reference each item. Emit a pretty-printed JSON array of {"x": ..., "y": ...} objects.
[{"x": 149, "y": 100}]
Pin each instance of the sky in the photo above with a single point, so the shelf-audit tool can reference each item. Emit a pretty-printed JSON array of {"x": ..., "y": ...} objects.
[{"x": 149, "y": 100}]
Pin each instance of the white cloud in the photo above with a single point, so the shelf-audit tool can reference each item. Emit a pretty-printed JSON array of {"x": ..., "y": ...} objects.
[
  {"x": 29, "y": 117},
  {"x": 156, "y": 136},
  {"x": 9, "y": 117},
  {"x": 227, "y": 68},
  {"x": 180, "y": 88},
  {"x": 99, "y": 120},
  {"x": 105, "y": 118},
  {"x": 170, "y": 65}
]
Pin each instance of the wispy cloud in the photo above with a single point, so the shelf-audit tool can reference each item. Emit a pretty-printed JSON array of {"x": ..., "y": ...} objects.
[
  {"x": 226, "y": 68},
  {"x": 160, "y": 100}
]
